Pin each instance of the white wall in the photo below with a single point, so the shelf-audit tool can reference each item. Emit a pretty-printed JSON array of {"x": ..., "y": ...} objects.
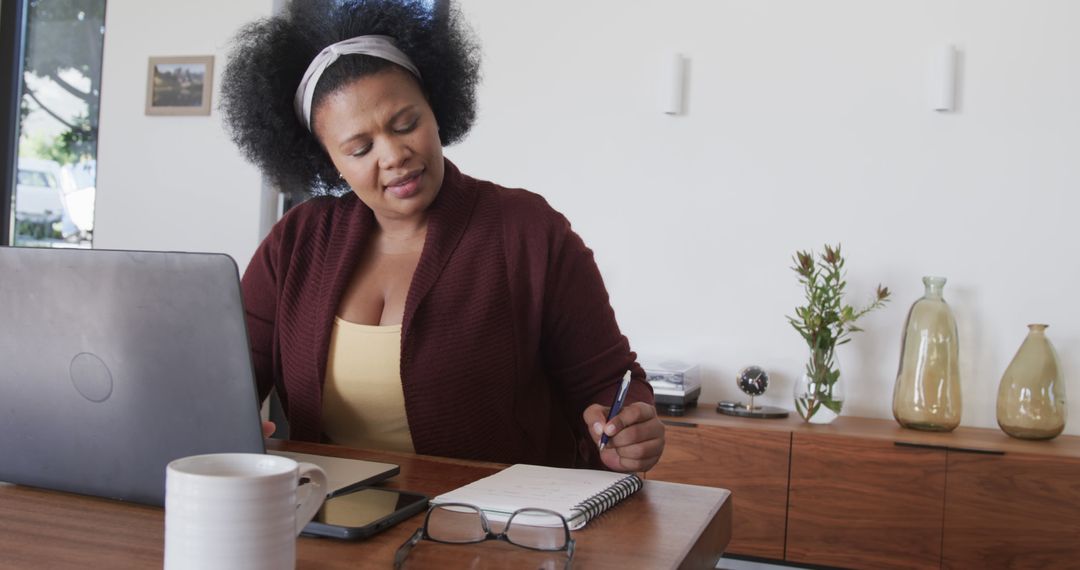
[
  {"x": 171, "y": 183},
  {"x": 807, "y": 123}
]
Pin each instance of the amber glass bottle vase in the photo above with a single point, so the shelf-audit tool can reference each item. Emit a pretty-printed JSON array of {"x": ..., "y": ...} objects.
[
  {"x": 927, "y": 391},
  {"x": 1031, "y": 396}
]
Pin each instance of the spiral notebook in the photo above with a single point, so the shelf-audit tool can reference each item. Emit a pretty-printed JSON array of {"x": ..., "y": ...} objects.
[{"x": 579, "y": 495}]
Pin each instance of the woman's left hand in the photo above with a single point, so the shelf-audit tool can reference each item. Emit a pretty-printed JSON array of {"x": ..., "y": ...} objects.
[{"x": 635, "y": 436}]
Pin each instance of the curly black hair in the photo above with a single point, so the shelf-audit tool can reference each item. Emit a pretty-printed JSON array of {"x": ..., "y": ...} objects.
[{"x": 269, "y": 58}]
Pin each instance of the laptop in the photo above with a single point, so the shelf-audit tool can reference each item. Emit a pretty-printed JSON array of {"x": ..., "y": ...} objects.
[{"x": 114, "y": 363}]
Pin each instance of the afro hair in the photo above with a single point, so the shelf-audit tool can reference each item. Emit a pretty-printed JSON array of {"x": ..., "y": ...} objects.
[{"x": 269, "y": 58}]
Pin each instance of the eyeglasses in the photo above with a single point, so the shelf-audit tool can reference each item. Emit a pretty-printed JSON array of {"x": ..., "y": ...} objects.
[{"x": 460, "y": 523}]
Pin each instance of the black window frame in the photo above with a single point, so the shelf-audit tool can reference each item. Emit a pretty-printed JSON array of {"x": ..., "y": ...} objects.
[{"x": 12, "y": 53}]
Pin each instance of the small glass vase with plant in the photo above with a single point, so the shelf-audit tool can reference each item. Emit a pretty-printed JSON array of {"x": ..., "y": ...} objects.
[{"x": 825, "y": 322}]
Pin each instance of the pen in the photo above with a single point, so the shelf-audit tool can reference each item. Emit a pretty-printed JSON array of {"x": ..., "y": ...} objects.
[{"x": 620, "y": 397}]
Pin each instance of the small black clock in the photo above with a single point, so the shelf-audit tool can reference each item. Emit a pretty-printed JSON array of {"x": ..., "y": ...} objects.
[{"x": 753, "y": 381}]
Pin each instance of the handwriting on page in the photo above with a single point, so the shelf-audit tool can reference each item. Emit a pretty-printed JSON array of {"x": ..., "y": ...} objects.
[{"x": 558, "y": 494}]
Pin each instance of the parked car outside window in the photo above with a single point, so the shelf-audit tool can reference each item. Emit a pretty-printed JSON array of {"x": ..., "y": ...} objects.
[
  {"x": 54, "y": 204},
  {"x": 38, "y": 196}
]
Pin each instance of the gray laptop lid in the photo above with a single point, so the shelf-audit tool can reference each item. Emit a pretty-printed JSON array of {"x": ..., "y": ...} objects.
[{"x": 113, "y": 363}]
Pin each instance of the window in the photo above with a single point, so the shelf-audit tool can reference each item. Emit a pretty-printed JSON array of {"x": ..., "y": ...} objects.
[{"x": 55, "y": 140}]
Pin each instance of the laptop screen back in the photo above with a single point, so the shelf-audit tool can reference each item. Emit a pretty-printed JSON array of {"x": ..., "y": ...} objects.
[{"x": 113, "y": 363}]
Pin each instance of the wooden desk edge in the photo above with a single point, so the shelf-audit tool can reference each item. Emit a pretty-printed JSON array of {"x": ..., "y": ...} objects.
[{"x": 713, "y": 536}]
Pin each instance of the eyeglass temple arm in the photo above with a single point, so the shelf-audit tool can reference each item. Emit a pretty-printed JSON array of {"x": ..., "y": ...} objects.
[{"x": 404, "y": 550}]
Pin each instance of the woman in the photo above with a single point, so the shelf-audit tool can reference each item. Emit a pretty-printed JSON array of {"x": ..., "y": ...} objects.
[{"x": 421, "y": 310}]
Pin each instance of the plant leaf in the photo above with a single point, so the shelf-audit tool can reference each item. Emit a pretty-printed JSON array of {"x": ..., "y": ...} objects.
[{"x": 833, "y": 405}]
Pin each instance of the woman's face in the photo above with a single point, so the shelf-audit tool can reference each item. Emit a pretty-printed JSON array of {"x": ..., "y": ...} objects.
[{"x": 381, "y": 135}]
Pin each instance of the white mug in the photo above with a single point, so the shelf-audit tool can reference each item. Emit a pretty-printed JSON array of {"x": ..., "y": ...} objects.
[{"x": 238, "y": 510}]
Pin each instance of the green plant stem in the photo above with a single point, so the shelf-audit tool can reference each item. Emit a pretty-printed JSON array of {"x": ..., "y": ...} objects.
[{"x": 826, "y": 322}]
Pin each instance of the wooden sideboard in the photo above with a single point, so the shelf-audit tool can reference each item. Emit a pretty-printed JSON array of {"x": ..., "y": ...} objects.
[{"x": 866, "y": 493}]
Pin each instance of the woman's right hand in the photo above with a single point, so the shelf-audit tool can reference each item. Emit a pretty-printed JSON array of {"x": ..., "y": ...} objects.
[
  {"x": 636, "y": 436},
  {"x": 268, "y": 428}
]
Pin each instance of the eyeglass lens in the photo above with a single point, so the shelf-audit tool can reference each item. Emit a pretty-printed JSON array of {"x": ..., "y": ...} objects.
[
  {"x": 455, "y": 523},
  {"x": 529, "y": 528},
  {"x": 537, "y": 529}
]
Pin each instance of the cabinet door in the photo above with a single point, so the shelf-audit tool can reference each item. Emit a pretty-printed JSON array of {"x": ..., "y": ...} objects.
[
  {"x": 752, "y": 464},
  {"x": 1012, "y": 511},
  {"x": 864, "y": 503}
]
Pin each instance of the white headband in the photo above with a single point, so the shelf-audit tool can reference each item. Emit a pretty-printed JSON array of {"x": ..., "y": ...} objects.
[{"x": 378, "y": 46}]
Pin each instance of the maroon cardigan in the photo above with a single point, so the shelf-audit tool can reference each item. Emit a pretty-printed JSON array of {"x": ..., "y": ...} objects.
[{"x": 507, "y": 337}]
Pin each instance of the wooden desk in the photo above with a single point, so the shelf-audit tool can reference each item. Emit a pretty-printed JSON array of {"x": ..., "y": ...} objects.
[{"x": 665, "y": 525}]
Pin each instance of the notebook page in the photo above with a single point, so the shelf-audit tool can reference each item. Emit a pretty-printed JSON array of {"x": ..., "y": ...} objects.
[{"x": 520, "y": 486}]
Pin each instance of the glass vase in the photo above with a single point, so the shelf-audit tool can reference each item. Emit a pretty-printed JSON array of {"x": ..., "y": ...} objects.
[
  {"x": 819, "y": 391},
  {"x": 926, "y": 395},
  {"x": 1031, "y": 396}
]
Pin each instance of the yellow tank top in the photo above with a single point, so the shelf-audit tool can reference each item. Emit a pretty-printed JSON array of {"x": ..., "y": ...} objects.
[{"x": 363, "y": 404}]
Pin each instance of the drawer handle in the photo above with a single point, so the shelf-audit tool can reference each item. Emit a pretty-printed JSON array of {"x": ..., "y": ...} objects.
[
  {"x": 948, "y": 448},
  {"x": 674, "y": 423},
  {"x": 981, "y": 451},
  {"x": 919, "y": 445}
]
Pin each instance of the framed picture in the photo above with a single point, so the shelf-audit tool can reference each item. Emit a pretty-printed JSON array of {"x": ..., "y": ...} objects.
[{"x": 179, "y": 85}]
